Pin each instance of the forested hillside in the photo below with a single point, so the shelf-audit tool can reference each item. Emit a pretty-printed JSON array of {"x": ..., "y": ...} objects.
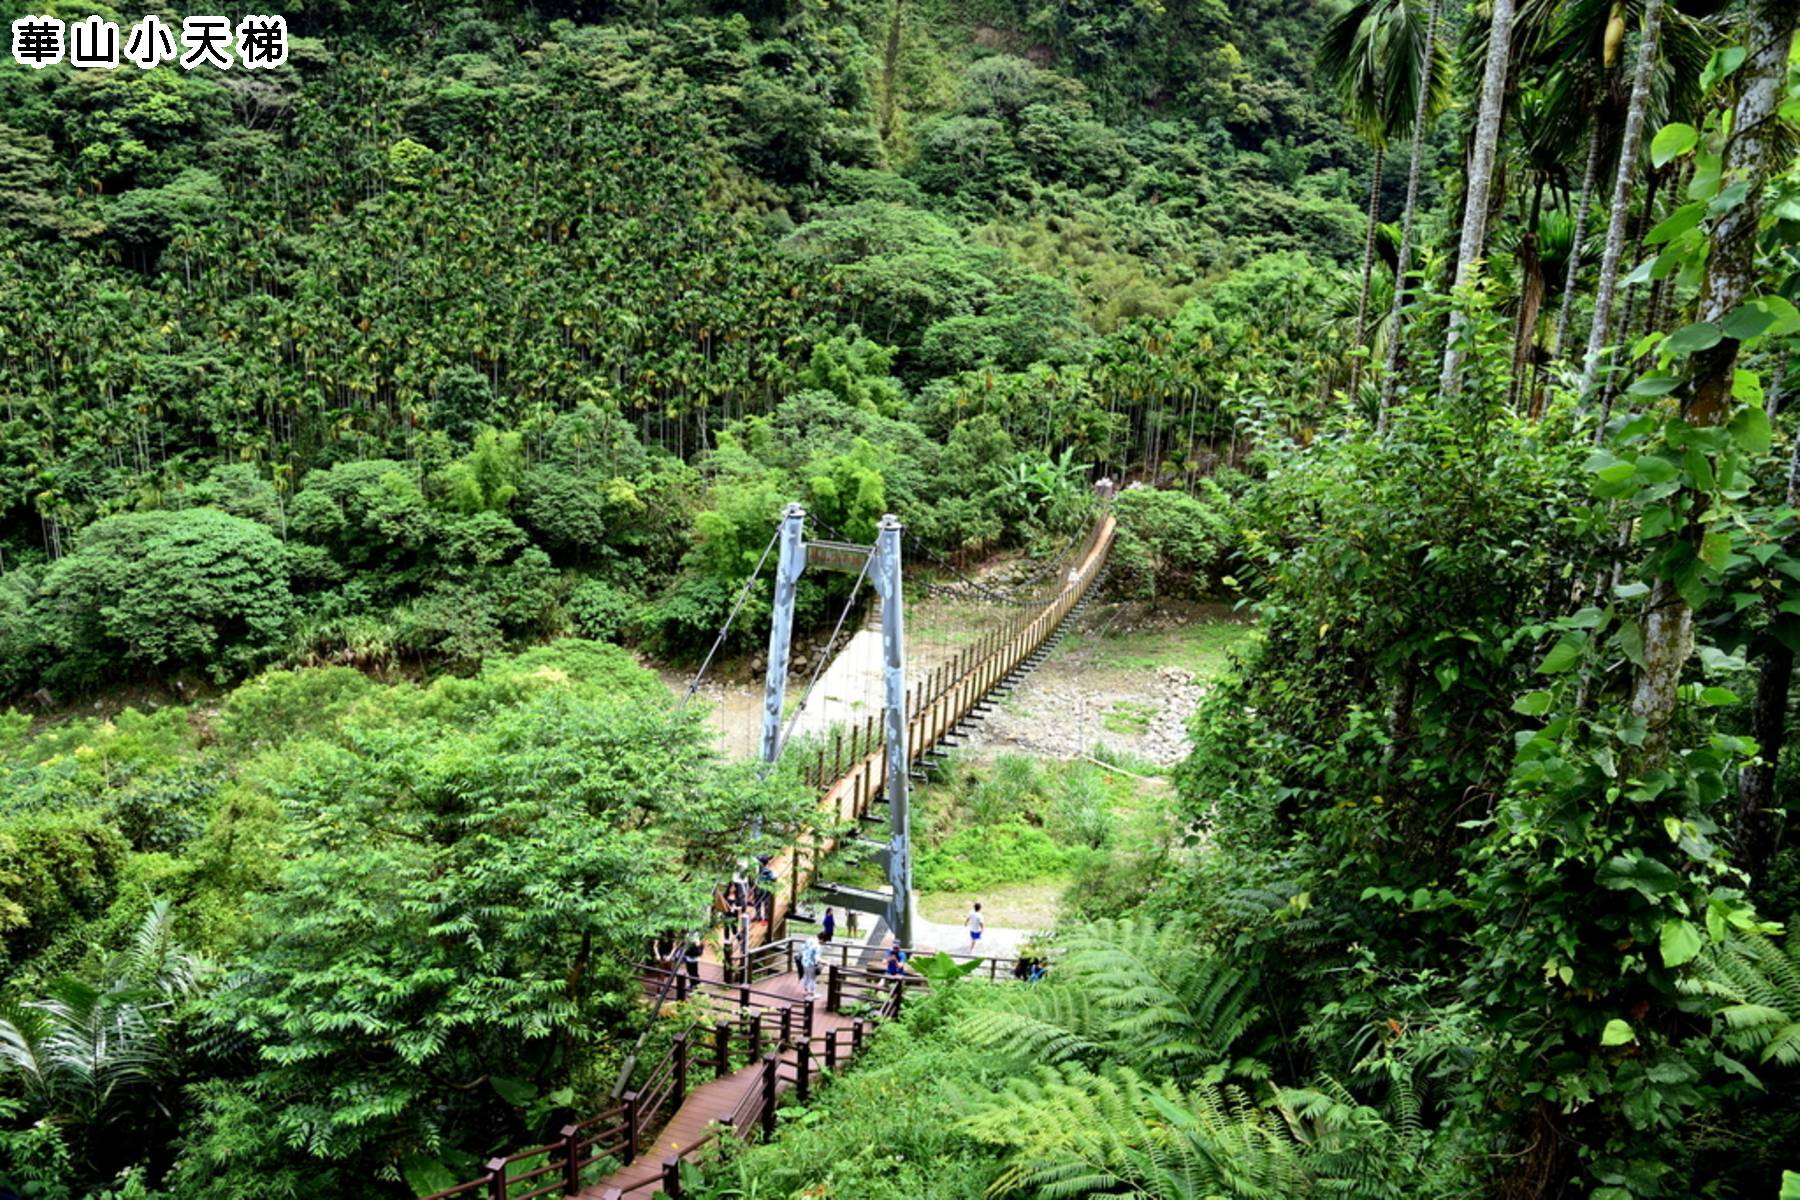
[
  {"x": 375, "y": 427},
  {"x": 679, "y": 264}
]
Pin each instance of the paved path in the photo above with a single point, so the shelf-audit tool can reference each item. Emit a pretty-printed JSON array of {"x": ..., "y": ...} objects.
[{"x": 931, "y": 935}]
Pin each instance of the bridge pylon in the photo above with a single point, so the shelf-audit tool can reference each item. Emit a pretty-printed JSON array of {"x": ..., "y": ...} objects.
[{"x": 883, "y": 564}]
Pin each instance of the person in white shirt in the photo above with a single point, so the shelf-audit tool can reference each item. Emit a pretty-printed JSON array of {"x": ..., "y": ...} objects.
[
  {"x": 975, "y": 923},
  {"x": 809, "y": 967}
]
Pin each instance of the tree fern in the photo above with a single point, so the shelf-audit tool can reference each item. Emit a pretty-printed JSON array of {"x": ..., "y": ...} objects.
[
  {"x": 1172, "y": 1002},
  {"x": 1760, "y": 981},
  {"x": 1072, "y": 1133},
  {"x": 1050, "y": 1023}
]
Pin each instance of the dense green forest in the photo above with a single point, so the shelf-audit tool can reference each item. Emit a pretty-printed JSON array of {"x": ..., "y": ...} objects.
[{"x": 373, "y": 426}]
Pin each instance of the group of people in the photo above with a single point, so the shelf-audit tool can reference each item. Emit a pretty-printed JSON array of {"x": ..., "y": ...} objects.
[{"x": 686, "y": 953}]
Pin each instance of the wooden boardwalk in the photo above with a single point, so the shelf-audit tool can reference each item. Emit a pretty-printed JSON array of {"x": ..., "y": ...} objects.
[
  {"x": 720, "y": 1101},
  {"x": 765, "y": 1038}
]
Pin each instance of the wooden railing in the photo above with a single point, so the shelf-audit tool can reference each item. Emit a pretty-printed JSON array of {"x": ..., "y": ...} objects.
[
  {"x": 854, "y": 773},
  {"x": 750, "y": 1024},
  {"x": 757, "y": 1027},
  {"x": 781, "y": 956}
]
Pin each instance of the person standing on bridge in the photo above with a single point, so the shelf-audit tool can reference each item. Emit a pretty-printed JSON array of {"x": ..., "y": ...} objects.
[
  {"x": 809, "y": 967},
  {"x": 975, "y": 924},
  {"x": 691, "y": 955},
  {"x": 828, "y": 926}
]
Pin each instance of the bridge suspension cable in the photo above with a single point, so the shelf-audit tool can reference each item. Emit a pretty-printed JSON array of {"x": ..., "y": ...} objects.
[
  {"x": 825, "y": 656},
  {"x": 725, "y": 629}
]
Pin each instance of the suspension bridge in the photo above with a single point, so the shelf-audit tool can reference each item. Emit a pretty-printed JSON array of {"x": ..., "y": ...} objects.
[{"x": 890, "y": 715}]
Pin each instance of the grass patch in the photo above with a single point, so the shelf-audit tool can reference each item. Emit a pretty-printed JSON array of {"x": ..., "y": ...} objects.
[
  {"x": 1129, "y": 717},
  {"x": 1023, "y": 904},
  {"x": 1202, "y": 648},
  {"x": 981, "y": 857}
]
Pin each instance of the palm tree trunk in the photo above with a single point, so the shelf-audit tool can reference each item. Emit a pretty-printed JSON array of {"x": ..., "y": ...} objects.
[
  {"x": 1621, "y": 199},
  {"x": 1481, "y": 173},
  {"x": 1531, "y": 299},
  {"x": 1609, "y": 391},
  {"x": 1582, "y": 207},
  {"x": 1768, "y": 724},
  {"x": 1730, "y": 274},
  {"x": 1391, "y": 375},
  {"x": 890, "y": 68},
  {"x": 1368, "y": 267}
]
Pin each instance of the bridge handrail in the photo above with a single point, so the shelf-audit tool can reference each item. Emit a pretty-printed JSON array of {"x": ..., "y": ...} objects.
[{"x": 970, "y": 675}]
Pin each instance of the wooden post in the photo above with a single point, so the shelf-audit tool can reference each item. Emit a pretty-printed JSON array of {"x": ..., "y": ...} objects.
[
  {"x": 744, "y": 995},
  {"x": 787, "y": 1026},
  {"x": 831, "y": 1051},
  {"x": 681, "y": 980},
  {"x": 856, "y": 1037},
  {"x": 834, "y": 987},
  {"x": 837, "y": 752},
  {"x": 899, "y": 996},
  {"x": 768, "y": 1096},
  {"x": 571, "y": 1140},
  {"x": 819, "y": 770},
  {"x": 681, "y": 1068},
  {"x": 721, "y": 1049},
  {"x": 806, "y": 1022},
  {"x": 803, "y": 1071},
  {"x": 496, "y": 1178},
  {"x": 672, "y": 1176},
  {"x": 756, "y": 1036},
  {"x": 631, "y": 1127}
]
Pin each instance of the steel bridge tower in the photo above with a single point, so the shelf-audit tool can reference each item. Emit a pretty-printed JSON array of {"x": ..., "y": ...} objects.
[{"x": 882, "y": 561}]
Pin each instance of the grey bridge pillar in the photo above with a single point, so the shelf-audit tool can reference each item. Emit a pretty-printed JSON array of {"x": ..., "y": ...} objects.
[
  {"x": 899, "y": 762},
  {"x": 781, "y": 626},
  {"x": 885, "y": 574}
]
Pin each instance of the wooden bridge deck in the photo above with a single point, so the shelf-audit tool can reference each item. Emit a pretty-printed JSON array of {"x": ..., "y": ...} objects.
[
  {"x": 738, "y": 1098},
  {"x": 718, "y": 1100},
  {"x": 935, "y": 704}
]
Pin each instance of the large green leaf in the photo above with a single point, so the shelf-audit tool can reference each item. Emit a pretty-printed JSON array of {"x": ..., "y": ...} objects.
[
  {"x": 1680, "y": 943},
  {"x": 1671, "y": 142},
  {"x": 426, "y": 1175},
  {"x": 1564, "y": 655},
  {"x": 1690, "y": 339},
  {"x": 1636, "y": 871}
]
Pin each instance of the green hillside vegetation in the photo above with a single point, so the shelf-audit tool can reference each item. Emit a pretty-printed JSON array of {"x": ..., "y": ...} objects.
[{"x": 371, "y": 430}]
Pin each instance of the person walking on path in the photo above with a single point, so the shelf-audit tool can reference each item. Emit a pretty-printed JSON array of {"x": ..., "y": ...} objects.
[
  {"x": 691, "y": 955},
  {"x": 828, "y": 926},
  {"x": 975, "y": 923},
  {"x": 809, "y": 967}
]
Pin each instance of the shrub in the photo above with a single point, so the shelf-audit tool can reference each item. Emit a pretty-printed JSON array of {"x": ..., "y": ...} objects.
[
  {"x": 54, "y": 870},
  {"x": 601, "y": 611},
  {"x": 1171, "y": 543},
  {"x": 167, "y": 589}
]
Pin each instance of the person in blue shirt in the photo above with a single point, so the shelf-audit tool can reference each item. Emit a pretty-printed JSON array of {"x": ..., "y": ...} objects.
[{"x": 828, "y": 926}]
